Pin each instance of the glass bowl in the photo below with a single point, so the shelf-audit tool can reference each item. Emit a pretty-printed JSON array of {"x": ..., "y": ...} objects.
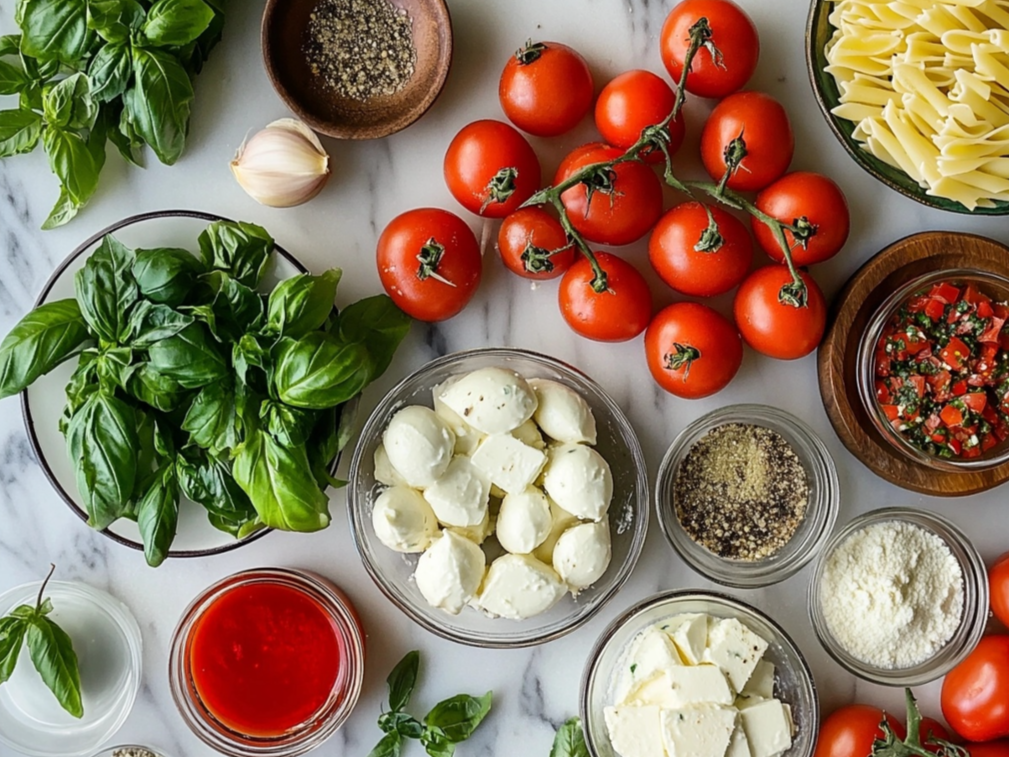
[
  {"x": 988, "y": 283},
  {"x": 118, "y": 751},
  {"x": 628, "y": 513},
  {"x": 321, "y": 724},
  {"x": 793, "y": 681},
  {"x": 110, "y": 657},
  {"x": 812, "y": 534},
  {"x": 975, "y": 612}
]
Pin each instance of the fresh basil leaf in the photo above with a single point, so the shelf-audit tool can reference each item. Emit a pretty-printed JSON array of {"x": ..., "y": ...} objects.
[
  {"x": 402, "y": 723},
  {"x": 208, "y": 481},
  {"x": 68, "y": 103},
  {"x": 10, "y": 44},
  {"x": 64, "y": 211},
  {"x": 155, "y": 389},
  {"x": 402, "y": 681},
  {"x": 288, "y": 425},
  {"x": 250, "y": 351},
  {"x": 241, "y": 250},
  {"x": 150, "y": 323},
  {"x": 158, "y": 515},
  {"x": 390, "y": 746},
  {"x": 457, "y": 718},
  {"x": 55, "y": 29},
  {"x": 379, "y": 325},
  {"x": 20, "y": 131},
  {"x": 237, "y": 308},
  {"x": 570, "y": 740},
  {"x": 323, "y": 447},
  {"x": 174, "y": 23},
  {"x": 75, "y": 167},
  {"x": 436, "y": 746},
  {"x": 83, "y": 383},
  {"x": 319, "y": 371},
  {"x": 102, "y": 442},
  {"x": 212, "y": 418},
  {"x": 12, "y": 79},
  {"x": 191, "y": 357},
  {"x": 110, "y": 71},
  {"x": 159, "y": 102},
  {"x": 115, "y": 19},
  {"x": 194, "y": 55},
  {"x": 52, "y": 654},
  {"x": 166, "y": 275},
  {"x": 12, "y": 634},
  {"x": 301, "y": 304},
  {"x": 113, "y": 366},
  {"x": 40, "y": 341},
  {"x": 106, "y": 290},
  {"x": 126, "y": 139},
  {"x": 280, "y": 484}
]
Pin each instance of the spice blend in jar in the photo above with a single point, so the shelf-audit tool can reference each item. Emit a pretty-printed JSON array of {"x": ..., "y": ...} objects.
[
  {"x": 741, "y": 492},
  {"x": 361, "y": 48}
]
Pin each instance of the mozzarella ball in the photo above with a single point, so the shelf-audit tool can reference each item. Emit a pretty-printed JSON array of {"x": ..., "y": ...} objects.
[
  {"x": 583, "y": 554},
  {"x": 460, "y": 495},
  {"x": 466, "y": 437},
  {"x": 560, "y": 521},
  {"x": 477, "y": 534},
  {"x": 491, "y": 400},
  {"x": 579, "y": 480},
  {"x": 529, "y": 434},
  {"x": 524, "y": 521},
  {"x": 450, "y": 572},
  {"x": 419, "y": 445},
  {"x": 519, "y": 587},
  {"x": 384, "y": 472},
  {"x": 562, "y": 413},
  {"x": 403, "y": 520}
]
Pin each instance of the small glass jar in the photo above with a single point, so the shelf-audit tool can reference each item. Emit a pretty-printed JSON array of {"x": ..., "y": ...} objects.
[
  {"x": 975, "y": 600},
  {"x": 810, "y": 536},
  {"x": 313, "y": 730}
]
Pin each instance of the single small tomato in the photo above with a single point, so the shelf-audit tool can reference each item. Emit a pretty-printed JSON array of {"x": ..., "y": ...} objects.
[
  {"x": 989, "y": 749},
  {"x": 616, "y": 314},
  {"x": 773, "y": 326},
  {"x": 734, "y": 36},
  {"x": 758, "y": 121},
  {"x": 429, "y": 263},
  {"x": 626, "y": 200},
  {"x": 698, "y": 254},
  {"x": 692, "y": 351},
  {"x": 806, "y": 200},
  {"x": 546, "y": 88},
  {"x": 533, "y": 244},
  {"x": 975, "y": 694},
  {"x": 491, "y": 169},
  {"x": 850, "y": 731},
  {"x": 632, "y": 102},
  {"x": 998, "y": 582}
]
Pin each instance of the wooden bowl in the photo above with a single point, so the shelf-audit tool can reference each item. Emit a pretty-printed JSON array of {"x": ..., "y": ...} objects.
[
  {"x": 283, "y": 36},
  {"x": 837, "y": 367}
]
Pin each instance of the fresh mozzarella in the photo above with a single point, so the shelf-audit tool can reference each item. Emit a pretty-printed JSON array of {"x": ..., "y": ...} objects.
[
  {"x": 635, "y": 731},
  {"x": 562, "y": 413},
  {"x": 735, "y": 649},
  {"x": 519, "y": 587},
  {"x": 583, "y": 554},
  {"x": 651, "y": 653},
  {"x": 492, "y": 400},
  {"x": 508, "y": 463},
  {"x": 738, "y": 745},
  {"x": 449, "y": 573},
  {"x": 523, "y": 521},
  {"x": 419, "y": 445},
  {"x": 699, "y": 684},
  {"x": 460, "y": 495},
  {"x": 690, "y": 634},
  {"x": 578, "y": 479},
  {"x": 529, "y": 433},
  {"x": 561, "y": 521},
  {"x": 384, "y": 472},
  {"x": 697, "y": 731},
  {"x": 466, "y": 437},
  {"x": 477, "y": 534},
  {"x": 761, "y": 683},
  {"x": 403, "y": 520},
  {"x": 768, "y": 727}
]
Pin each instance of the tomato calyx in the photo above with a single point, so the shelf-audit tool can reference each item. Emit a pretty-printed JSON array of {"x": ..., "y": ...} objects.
[
  {"x": 684, "y": 357},
  {"x": 912, "y": 746},
  {"x": 793, "y": 294},
  {"x": 537, "y": 260},
  {"x": 429, "y": 257},
  {"x": 703, "y": 34},
  {"x": 530, "y": 52},
  {"x": 733, "y": 155},
  {"x": 711, "y": 239},
  {"x": 501, "y": 186},
  {"x": 803, "y": 230}
]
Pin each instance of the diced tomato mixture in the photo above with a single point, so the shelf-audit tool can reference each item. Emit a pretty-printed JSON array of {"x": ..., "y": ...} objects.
[{"x": 942, "y": 371}]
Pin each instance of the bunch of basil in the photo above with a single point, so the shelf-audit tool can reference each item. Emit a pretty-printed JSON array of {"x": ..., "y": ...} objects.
[
  {"x": 88, "y": 71},
  {"x": 192, "y": 383}
]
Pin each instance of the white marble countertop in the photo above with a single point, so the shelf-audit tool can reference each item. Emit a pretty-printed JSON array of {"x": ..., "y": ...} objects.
[{"x": 535, "y": 689}]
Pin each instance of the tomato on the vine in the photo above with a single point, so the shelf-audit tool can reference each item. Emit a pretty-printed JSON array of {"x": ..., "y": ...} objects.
[
  {"x": 700, "y": 255},
  {"x": 932, "y": 729},
  {"x": 989, "y": 749},
  {"x": 998, "y": 583},
  {"x": 755, "y": 126},
  {"x": 625, "y": 201},
  {"x": 429, "y": 263},
  {"x": 546, "y": 88},
  {"x": 618, "y": 313},
  {"x": 734, "y": 36},
  {"x": 975, "y": 694},
  {"x": 850, "y": 731},
  {"x": 630, "y": 103},
  {"x": 491, "y": 169},
  {"x": 533, "y": 244},
  {"x": 692, "y": 351},
  {"x": 773, "y": 326},
  {"x": 809, "y": 201}
]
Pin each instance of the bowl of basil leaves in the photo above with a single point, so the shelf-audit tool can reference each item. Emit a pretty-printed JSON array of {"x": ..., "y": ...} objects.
[{"x": 205, "y": 377}]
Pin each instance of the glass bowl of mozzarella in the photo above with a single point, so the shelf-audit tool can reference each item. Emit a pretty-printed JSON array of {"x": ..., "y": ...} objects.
[
  {"x": 698, "y": 673},
  {"x": 498, "y": 497}
]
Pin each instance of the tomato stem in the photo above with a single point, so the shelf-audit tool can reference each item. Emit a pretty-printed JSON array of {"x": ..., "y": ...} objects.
[
  {"x": 684, "y": 357},
  {"x": 529, "y": 52},
  {"x": 912, "y": 746},
  {"x": 429, "y": 257},
  {"x": 537, "y": 259},
  {"x": 600, "y": 281},
  {"x": 501, "y": 186},
  {"x": 711, "y": 239},
  {"x": 42, "y": 588}
]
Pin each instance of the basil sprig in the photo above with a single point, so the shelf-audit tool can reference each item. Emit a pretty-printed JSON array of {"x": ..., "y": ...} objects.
[
  {"x": 50, "y": 648},
  {"x": 570, "y": 740},
  {"x": 449, "y": 723}
]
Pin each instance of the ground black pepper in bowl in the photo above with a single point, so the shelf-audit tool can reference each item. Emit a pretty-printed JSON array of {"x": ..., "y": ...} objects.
[{"x": 741, "y": 492}]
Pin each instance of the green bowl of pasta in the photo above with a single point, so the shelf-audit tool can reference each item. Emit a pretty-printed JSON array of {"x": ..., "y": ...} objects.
[{"x": 905, "y": 127}]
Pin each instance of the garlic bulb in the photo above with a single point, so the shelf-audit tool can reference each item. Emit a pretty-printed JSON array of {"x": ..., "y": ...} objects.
[{"x": 283, "y": 165}]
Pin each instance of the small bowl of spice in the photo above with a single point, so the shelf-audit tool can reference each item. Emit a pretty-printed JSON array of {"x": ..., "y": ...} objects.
[
  {"x": 899, "y": 596},
  {"x": 130, "y": 750},
  {"x": 357, "y": 69},
  {"x": 747, "y": 495}
]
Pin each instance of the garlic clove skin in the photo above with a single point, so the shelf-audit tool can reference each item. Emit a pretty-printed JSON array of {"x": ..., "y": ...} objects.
[{"x": 283, "y": 165}]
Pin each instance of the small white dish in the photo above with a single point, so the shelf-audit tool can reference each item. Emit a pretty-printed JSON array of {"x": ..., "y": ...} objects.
[{"x": 109, "y": 651}]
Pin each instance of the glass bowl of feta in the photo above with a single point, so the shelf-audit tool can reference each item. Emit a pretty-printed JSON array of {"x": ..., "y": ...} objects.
[
  {"x": 698, "y": 673},
  {"x": 498, "y": 497}
]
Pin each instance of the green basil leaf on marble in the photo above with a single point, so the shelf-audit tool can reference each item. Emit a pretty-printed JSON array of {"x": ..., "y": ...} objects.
[
  {"x": 20, "y": 131},
  {"x": 52, "y": 653},
  {"x": 191, "y": 358},
  {"x": 379, "y": 325},
  {"x": 570, "y": 740},
  {"x": 73, "y": 163},
  {"x": 166, "y": 275},
  {"x": 159, "y": 102},
  {"x": 158, "y": 515},
  {"x": 114, "y": 20},
  {"x": 106, "y": 290},
  {"x": 54, "y": 29},
  {"x": 391, "y": 745},
  {"x": 240, "y": 250},
  {"x": 455, "y": 719},
  {"x": 402, "y": 680},
  {"x": 301, "y": 304},
  {"x": 320, "y": 371},
  {"x": 64, "y": 211},
  {"x": 212, "y": 419},
  {"x": 68, "y": 104},
  {"x": 110, "y": 71},
  {"x": 12, "y": 634},
  {"x": 40, "y": 341},
  {"x": 174, "y": 23}
]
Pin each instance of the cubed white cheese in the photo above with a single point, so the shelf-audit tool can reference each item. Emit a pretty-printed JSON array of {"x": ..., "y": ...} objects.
[
  {"x": 635, "y": 731},
  {"x": 560, "y": 521},
  {"x": 518, "y": 587},
  {"x": 460, "y": 495},
  {"x": 735, "y": 649},
  {"x": 562, "y": 413},
  {"x": 697, "y": 731},
  {"x": 523, "y": 521},
  {"x": 768, "y": 728},
  {"x": 654, "y": 691},
  {"x": 650, "y": 654},
  {"x": 578, "y": 479},
  {"x": 384, "y": 472},
  {"x": 690, "y": 634},
  {"x": 761, "y": 683},
  {"x": 450, "y": 572},
  {"x": 738, "y": 745},
  {"x": 419, "y": 445},
  {"x": 466, "y": 437},
  {"x": 699, "y": 684},
  {"x": 583, "y": 554},
  {"x": 403, "y": 520},
  {"x": 492, "y": 400},
  {"x": 529, "y": 433},
  {"x": 508, "y": 463}
]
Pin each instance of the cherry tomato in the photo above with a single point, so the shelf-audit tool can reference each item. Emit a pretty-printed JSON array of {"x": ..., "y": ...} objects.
[
  {"x": 429, "y": 263},
  {"x": 732, "y": 33},
  {"x": 975, "y": 694},
  {"x": 998, "y": 582},
  {"x": 759, "y": 121},
  {"x": 692, "y": 351},
  {"x": 491, "y": 169},
  {"x": 619, "y": 214},
  {"x": 850, "y": 731},
  {"x": 546, "y": 88},
  {"x": 629, "y": 103},
  {"x": 692, "y": 259},
  {"x": 803, "y": 198},
  {"x": 989, "y": 749},
  {"x": 533, "y": 244},
  {"x": 776, "y": 328},
  {"x": 619, "y": 313},
  {"x": 930, "y": 728}
]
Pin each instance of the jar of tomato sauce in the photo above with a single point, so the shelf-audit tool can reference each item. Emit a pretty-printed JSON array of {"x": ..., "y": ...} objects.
[{"x": 268, "y": 661}]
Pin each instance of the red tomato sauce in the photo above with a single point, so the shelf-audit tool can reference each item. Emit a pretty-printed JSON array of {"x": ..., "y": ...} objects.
[{"x": 265, "y": 658}]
